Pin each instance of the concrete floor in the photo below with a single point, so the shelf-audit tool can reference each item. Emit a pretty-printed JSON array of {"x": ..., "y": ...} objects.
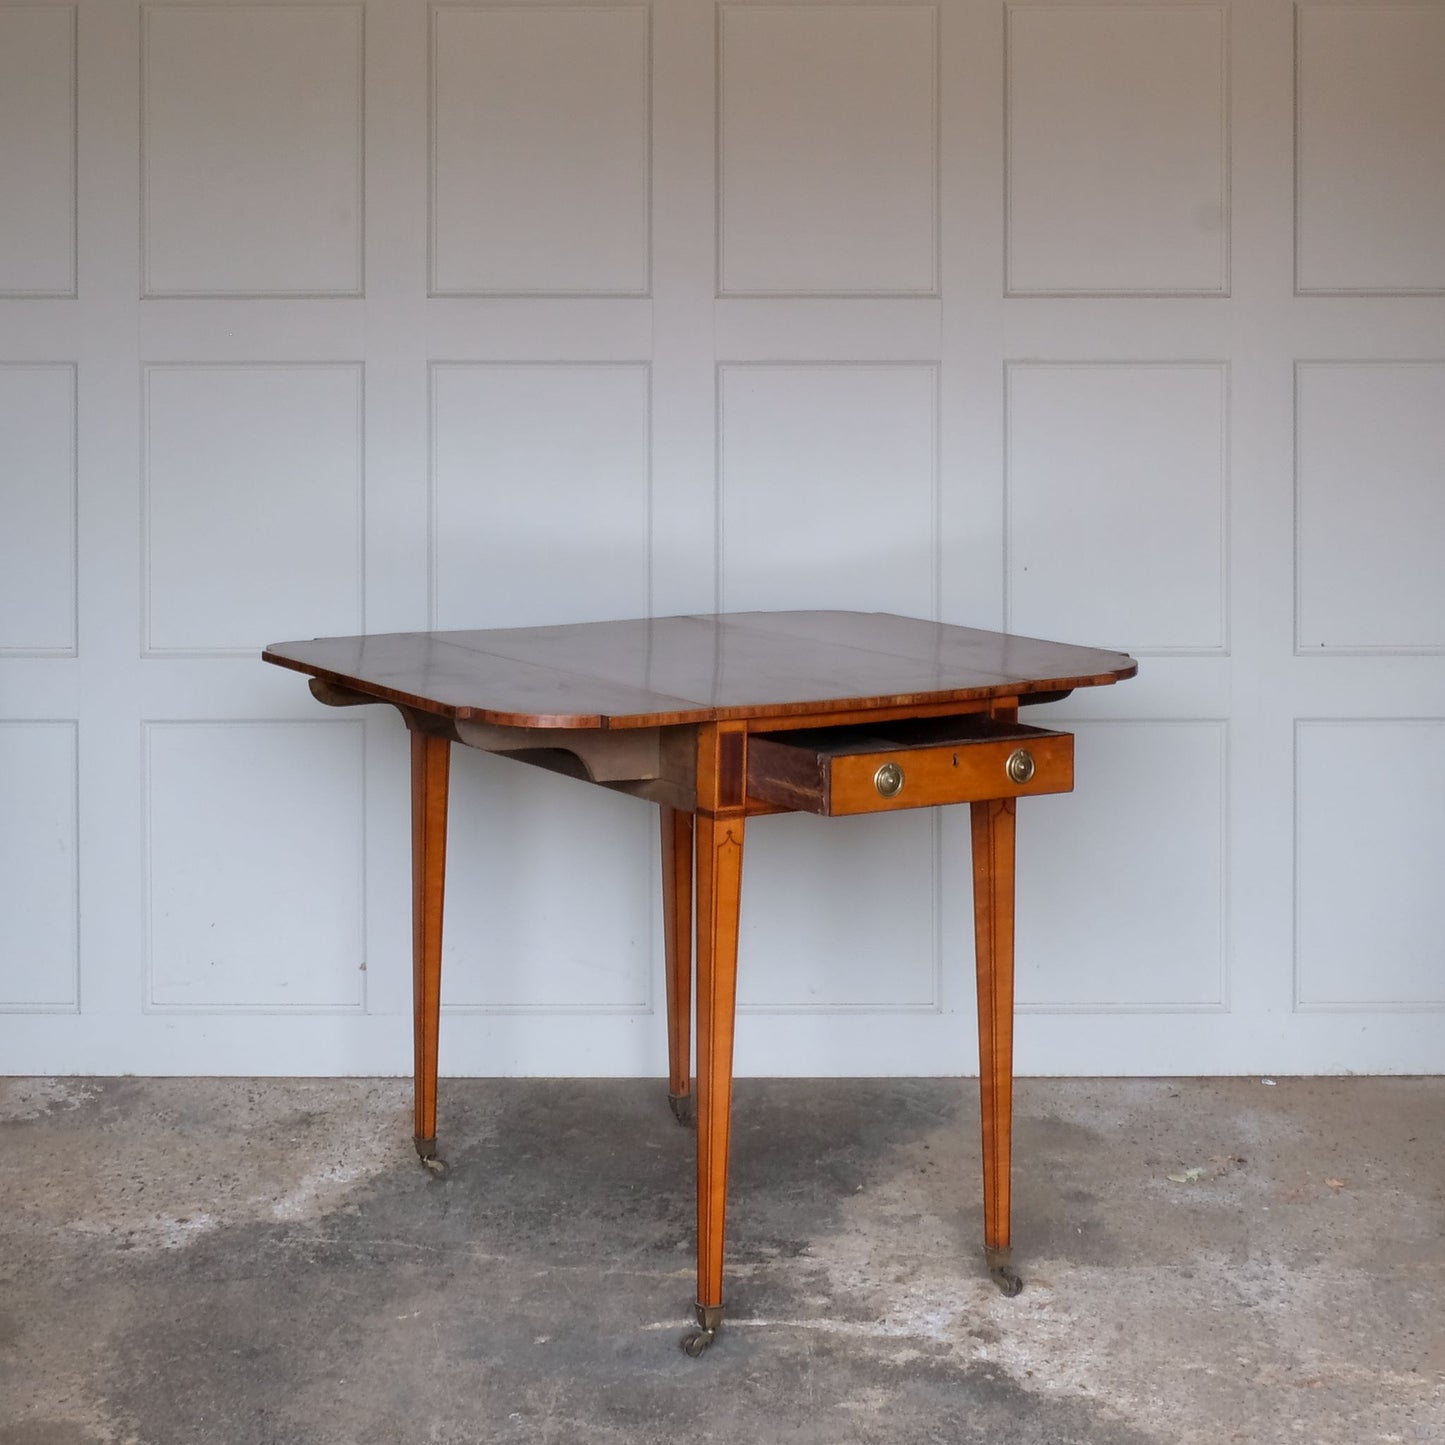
[{"x": 263, "y": 1261}]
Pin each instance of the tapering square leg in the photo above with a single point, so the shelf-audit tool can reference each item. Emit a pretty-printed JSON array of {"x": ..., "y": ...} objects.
[
  {"x": 430, "y": 760},
  {"x": 993, "y": 912},
  {"x": 677, "y": 947},
  {"x": 719, "y": 883}
]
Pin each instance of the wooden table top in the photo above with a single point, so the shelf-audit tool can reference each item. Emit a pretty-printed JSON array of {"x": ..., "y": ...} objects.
[{"x": 651, "y": 672}]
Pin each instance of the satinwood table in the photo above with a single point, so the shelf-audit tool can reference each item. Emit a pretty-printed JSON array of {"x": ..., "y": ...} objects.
[{"x": 718, "y": 719}]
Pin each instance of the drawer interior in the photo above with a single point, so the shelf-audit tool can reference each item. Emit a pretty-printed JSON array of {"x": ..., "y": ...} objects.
[{"x": 908, "y": 733}]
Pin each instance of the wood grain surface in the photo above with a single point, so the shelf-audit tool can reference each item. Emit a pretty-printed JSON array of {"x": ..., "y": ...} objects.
[{"x": 650, "y": 672}]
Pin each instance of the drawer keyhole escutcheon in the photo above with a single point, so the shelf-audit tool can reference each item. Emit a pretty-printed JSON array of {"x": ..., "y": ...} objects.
[
  {"x": 889, "y": 780},
  {"x": 1020, "y": 765}
]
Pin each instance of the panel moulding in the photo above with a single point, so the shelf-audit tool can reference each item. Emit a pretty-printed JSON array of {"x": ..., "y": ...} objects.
[
  {"x": 148, "y": 648},
  {"x": 724, "y": 292},
  {"x": 1222, "y": 368},
  {"x": 72, "y": 1004},
  {"x": 435, "y": 367},
  {"x": 935, "y": 540},
  {"x": 1302, "y": 9},
  {"x": 72, "y": 648},
  {"x": 1325, "y": 1006},
  {"x": 150, "y": 728},
  {"x": 1221, "y": 1003},
  {"x": 437, "y": 291},
  {"x": 1226, "y": 144},
  {"x": 1323, "y": 649},
  {"x": 148, "y": 289},
  {"x": 71, "y": 291}
]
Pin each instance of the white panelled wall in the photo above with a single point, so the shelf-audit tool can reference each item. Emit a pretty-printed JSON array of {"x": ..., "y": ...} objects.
[{"x": 1117, "y": 323}]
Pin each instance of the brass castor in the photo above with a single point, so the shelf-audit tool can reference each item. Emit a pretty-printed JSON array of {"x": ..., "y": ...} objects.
[
  {"x": 1008, "y": 1281},
  {"x": 682, "y": 1110},
  {"x": 431, "y": 1161},
  {"x": 1002, "y": 1272},
  {"x": 709, "y": 1320}
]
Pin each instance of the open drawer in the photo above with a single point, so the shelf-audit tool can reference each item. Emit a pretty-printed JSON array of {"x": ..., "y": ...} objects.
[{"x": 875, "y": 768}]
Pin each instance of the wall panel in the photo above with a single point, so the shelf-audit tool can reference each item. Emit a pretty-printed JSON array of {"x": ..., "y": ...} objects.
[
  {"x": 1116, "y": 490},
  {"x": 827, "y": 487},
  {"x": 37, "y": 150},
  {"x": 1139, "y": 924},
  {"x": 1371, "y": 146},
  {"x": 39, "y": 946},
  {"x": 538, "y": 473},
  {"x": 541, "y": 150},
  {"x": 1118, "y": 150},
  {"x": 1368, "y": 811},
  {"x": 255, "y": 836},
  {"x": 1370, "y": 503},
  {"x": 827, "y": 149},
  {"x": 252, "y": 150},
  {"x": 37, "y": 501},
  {"x": 253, "y": 493}
]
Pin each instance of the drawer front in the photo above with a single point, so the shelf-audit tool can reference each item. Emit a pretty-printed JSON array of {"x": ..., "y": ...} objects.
[{"x": 842, "y": 781}]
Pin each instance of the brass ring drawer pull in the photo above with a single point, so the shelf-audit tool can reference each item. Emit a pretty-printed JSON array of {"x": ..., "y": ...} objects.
[
  {"x": 889, "y": 780},
  {"x": 1020, "y": 766}
]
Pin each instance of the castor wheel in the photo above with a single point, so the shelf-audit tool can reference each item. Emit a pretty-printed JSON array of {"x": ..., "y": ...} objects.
[
  {"x": 682, "y": 1110},
  {"x": 709, "y": 1322},
  {"x": 1002, "y": 1272},
  {"x": 1008, "y": 1282}
]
